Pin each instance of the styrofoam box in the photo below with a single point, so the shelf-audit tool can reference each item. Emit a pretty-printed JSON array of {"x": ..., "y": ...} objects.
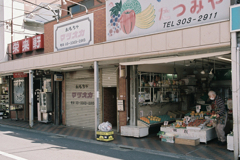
[
  {"x": 1, "y": 117},
  {"x": 1, "y": 113},
  {"x": 230, "y": 142},
  {"x": 134, "y": 131}
]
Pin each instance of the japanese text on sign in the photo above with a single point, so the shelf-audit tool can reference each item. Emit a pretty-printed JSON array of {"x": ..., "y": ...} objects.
[
  {"x": 82, "y": 95},
  {"x": 74, "y": 33},
  {"x": 159, "y": 16}
]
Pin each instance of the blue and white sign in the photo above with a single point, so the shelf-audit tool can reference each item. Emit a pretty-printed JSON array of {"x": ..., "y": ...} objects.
[{"x": 235, "y": 18}]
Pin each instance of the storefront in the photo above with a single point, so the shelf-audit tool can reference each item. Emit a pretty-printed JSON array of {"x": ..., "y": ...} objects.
[
  {"x": 18, "y": 100},
  {"x": 186, "y": 59},
  {"x": 4, "y": 97},
  {"x": 169, "y": 93},
  {"x": 80, "y": 99}
]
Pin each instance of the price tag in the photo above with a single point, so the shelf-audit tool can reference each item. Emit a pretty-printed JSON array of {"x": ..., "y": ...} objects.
[
  {"x": 198, "y": 108},
  {"x": 185, "y": 131},
  {"x": 209, "y": 108},
  {"x": 165, "y": 123},
  {"x": 174, "y": 130}
]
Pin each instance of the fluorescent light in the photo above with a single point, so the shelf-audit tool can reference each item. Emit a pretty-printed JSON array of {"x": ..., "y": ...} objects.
[
  {"x": 226, "y": 59},
  {"x": 71, "y": 68},
  {"x": 202, "y": 72}
]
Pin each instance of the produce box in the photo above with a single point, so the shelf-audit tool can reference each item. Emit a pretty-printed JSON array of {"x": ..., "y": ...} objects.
[
  {"x": 105, "y": 136},
  {"x": 175, "y": 114},
  {"x": 158, "y": 119},
  {"x": 167, "y": 137},
  {"x": 187, "y": 141}
]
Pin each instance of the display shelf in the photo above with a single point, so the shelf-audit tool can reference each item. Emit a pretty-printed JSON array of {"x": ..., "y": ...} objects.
[{"x": 153, "y": 87}]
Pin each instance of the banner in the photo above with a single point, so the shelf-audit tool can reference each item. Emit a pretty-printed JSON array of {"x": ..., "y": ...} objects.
[
  {"x": 74, "y": 33},
  {"x": 133, "y": 18},
  {"x": 234, "y": 18}
]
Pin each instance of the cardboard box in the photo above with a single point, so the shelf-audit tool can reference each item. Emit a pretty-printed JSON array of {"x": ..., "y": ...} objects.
[
  {"x": 187, "y": 141},
  {"x": 175, "y": 114}
]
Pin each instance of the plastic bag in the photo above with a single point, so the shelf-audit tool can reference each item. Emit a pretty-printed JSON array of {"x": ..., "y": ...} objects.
[{"x": 105, "y": 127}]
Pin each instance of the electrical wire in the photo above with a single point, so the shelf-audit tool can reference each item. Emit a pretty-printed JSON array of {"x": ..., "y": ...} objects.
[
  {"x": 32, "y": 11},
  {"x": 15, "y": 8}
]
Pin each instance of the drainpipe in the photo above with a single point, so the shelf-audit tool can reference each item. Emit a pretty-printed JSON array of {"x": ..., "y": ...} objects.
[
  {"x": 96, "y": 94},
  {"x": 31, "y": 98}
]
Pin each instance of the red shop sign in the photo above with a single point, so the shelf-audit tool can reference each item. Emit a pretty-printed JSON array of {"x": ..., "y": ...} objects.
[
  {"x": 27, "y": 45},
  {"x": 38, "y": 41},
  {"x": 17, "y": 47},
  {"x": 19, "y": 75}
]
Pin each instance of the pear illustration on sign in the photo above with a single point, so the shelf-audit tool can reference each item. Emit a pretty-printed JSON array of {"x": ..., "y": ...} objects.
[{"x": 124, "y": 17}]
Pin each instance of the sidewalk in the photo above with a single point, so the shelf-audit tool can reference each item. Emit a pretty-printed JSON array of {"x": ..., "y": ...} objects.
[{"x": 152, "y": 142}]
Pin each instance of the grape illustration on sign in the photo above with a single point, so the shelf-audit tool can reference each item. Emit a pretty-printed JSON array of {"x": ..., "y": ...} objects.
[{"x": 125, "y": 17}]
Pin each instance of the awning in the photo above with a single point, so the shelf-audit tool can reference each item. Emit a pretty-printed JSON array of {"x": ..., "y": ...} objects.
[{"x": 174, "y": 58}]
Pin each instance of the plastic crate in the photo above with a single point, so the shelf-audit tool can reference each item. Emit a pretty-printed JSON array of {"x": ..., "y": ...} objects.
[{"x": 105, "y": 136}]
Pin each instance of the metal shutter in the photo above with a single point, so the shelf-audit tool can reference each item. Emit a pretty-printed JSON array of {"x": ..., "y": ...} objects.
[
  {"x": 80, "y": 99},
  {"x": 109, "y": 77}
]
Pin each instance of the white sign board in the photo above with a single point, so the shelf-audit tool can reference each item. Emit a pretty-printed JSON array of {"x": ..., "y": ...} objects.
[
  {"x": 120, "y": 105},
  {"x": 133, "y": 18},
  {"x": 74, "y": 33}
]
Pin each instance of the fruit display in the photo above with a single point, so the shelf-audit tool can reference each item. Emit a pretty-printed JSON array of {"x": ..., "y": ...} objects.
[
  {"x": 180, "y": 126},
  {"x": 145, "y": 120},
  {"x": 196, "y": 123},
  {"x": 156, "y": 119},
  {"x": 192, "y": 113},
  {"x": 205, "y": 113}
]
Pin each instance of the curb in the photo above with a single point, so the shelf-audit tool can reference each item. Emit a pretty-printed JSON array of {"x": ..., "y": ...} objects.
[{"x": 161, "y": 153}]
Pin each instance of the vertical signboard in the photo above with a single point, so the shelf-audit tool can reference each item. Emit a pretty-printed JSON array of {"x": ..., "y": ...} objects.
[
  {"x": 27, "y": 44},
  {"x": 74, "y": 33},
  {"x": 132, "y": 18},
  {"x": 17, "y": 47},
  {"x": 38, "y": 41}
]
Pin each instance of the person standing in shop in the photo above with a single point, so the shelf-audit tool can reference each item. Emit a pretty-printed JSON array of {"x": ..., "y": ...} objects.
[{"x": 221, "y": 113}]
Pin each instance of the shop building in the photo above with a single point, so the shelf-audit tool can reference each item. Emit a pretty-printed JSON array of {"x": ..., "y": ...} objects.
[{"x": 124, "y": 74}]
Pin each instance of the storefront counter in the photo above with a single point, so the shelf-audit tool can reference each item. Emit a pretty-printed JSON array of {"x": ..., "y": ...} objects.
[{"x": 205, "y": 134}]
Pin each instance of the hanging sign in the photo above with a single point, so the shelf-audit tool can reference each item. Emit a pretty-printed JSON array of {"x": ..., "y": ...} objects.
[
  {"x": 27, "y": 45},
  {"x": 58, "y": 77},
  {"x": 19, "y": 75},
  {"x": 133, "y": 18},
  {"x": 74, "y": 33}
]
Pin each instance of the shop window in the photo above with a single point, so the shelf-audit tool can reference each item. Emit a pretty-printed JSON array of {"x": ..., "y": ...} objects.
[
  {"x": 18, "y": 91},
  {"x": 76, "y": 8}
]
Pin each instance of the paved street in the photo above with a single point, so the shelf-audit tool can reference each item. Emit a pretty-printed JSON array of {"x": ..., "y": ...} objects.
[{"x": 22, "y": 144}]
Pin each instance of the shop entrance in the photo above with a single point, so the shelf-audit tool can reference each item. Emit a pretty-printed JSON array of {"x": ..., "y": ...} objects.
[
  {"x": 110, "y": 105},
  {"x": 37, "y": 89}
]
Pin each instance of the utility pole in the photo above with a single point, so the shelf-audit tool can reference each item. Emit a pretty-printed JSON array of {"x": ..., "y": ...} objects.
[{"x": 11, "y": 54}]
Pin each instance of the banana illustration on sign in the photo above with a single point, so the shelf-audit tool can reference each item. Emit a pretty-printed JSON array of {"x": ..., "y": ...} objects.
[{"x": 145, "y": 19}]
